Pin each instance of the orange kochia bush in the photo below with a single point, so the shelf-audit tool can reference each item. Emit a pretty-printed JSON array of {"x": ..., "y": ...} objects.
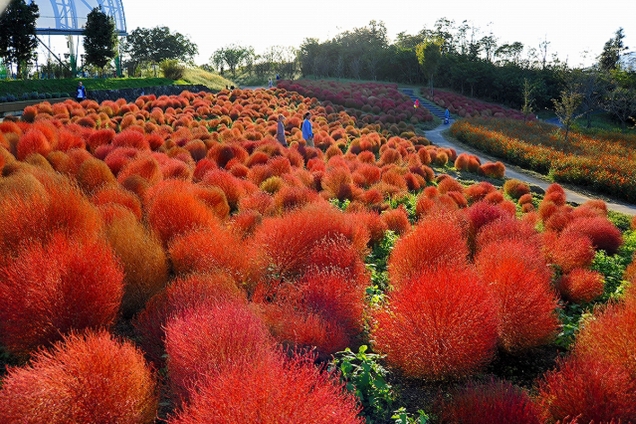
[
  {"x": 86, "y": 378},
  {"x": 439, "y": 325}
]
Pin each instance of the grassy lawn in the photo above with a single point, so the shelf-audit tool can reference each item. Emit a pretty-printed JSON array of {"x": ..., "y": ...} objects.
[{"x": 196, "y": 76}]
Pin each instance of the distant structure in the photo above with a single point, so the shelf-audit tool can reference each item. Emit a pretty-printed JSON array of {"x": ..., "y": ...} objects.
[{"x": 68, "y": 18}]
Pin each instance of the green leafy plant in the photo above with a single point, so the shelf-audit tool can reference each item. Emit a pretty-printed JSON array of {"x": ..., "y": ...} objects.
[
  {"x": 401, "y": 416},
  {"x": 365, "y": 376},
  {"x": 376, "y": 264}
]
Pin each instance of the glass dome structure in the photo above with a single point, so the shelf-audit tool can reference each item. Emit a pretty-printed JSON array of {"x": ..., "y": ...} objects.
[{"x": 68, "y": 17}]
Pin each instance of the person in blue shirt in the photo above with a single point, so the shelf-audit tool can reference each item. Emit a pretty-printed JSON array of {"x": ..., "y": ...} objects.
[
  {"x": 308, "y": 133},
  {"x": 81, "y": 92},
  {"x": 447, "y": 116}
]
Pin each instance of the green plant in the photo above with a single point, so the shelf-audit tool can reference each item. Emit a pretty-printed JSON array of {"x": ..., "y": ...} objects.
[
  {"x": 409, "y": 201},
  {"x": 172, "y": 69},
  {"x": 365, "y": 376},
  {"x": 401, "y": 416},
  {"x": 376, "y": 263},
  {"x": 340, "y": 204}
]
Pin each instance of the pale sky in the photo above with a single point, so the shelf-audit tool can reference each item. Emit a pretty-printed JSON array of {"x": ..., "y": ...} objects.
[
  {"x": 576, "y": 29},
  {"x": 571, "y": 26}
]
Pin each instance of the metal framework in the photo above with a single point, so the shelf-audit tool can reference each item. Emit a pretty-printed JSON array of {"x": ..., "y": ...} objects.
[{"x": 68, "y": 17}]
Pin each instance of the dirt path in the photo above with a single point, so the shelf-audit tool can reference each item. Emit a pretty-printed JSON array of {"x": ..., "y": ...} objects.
[{"x": 437, "y": 138}]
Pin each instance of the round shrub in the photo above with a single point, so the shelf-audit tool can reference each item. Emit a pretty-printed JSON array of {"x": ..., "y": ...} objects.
[
  {"x": 441, "y": 325},
  {"x": 91, "y": 378}
]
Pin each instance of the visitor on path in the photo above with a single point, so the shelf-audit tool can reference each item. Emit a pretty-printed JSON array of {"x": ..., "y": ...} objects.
[
  {"x": 280, "y": 130},
  {"x": 447, "y": 116},
  {"x": 270, "y": 83},
  {"x": 81, "y": 92},
  {"x": 416, "y": 104},
  {"x": 308, "y": 133}
]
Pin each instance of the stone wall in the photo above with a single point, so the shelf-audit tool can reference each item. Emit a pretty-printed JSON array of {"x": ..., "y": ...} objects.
[{"x": 131, "y": 94}]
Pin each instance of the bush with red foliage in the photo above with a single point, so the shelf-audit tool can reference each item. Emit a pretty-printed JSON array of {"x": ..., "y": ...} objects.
[
  {"x": 33, "y": 141},
  {"x": 282, "y": 390},
  {"x": 176, "y": 207},
  {"x": 493, "y": 169},
  {"x": 482, "y": 213},
  {"x": 507, "y": 228},
  {"x": 288, "y": 241},
  {"x": 50, "y": 289},
  {"x": 39, "y": 204},
  {"x": 434, "y": 243},
  {"x": 610, "y": 334},
  {"x": 590, "y": 389},
  {"x": 494, "y": 401},
  {"x": 581, "y": 285},
  {"x": 232, "y": 186},
  {"x": 603, "y": 234},
  {"x": 211, "y": 339},
  {"x": 91, "y": 378},
  {"x": 143, "y": 258},
  {"x": 441, "y": 325},
  {"x": 516, "y": 188},
  {"x": 397, "y": 220},
  {"x": 521, "y": 280},
  {"x": 216, "y": 249},
  {"x": 112, "y": 195},
  {"x": 184, "y": 293},
  {"x": 322, "y": 311},
  {"x": 93, "y": 175},
  {"x": 131, "y": 138}
]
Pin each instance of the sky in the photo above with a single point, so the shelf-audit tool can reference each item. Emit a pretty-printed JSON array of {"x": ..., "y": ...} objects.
[
  {"x": 571, "y": 26},
  {"x": 576, "y": 29}
]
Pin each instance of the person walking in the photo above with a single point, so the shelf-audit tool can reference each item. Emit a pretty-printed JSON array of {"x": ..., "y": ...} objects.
[
  {"x": 447, "y": 116},
  {"x": 280, "y": 130},
  {"x": 308, "y": 133},
  {"x": 81, "y": 92}
]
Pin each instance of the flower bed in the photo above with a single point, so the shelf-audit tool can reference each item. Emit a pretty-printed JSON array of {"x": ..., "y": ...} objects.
[
  {"x": 467, "y": 107},
  {"x": 238, "y": 264},
  {"x": 603, "y": 164}
]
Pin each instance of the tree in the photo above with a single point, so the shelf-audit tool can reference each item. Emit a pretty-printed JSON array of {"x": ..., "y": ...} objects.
[
  {"x": 428, "y": 56},
  {"x": 233, "y": 56},
  {"x": 100, "y": 38},
  {"x": 153, "y": 45},
  {"x": 566, "y": 109},
  {"x": 528, "y": 98},
  {"x": 621, "y": 102},
  {"x": 17, "y": 34},
  {"x": 610, "y": 57}
]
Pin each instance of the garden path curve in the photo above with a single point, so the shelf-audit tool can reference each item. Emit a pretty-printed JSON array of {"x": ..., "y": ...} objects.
[{"x": 437, "y": 137}]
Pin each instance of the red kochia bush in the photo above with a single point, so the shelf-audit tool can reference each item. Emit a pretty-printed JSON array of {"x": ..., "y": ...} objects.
[
  {"x": 91, "y": 378},
  {"x": 182, "y": 294},
  {"x": 176, "y": 207},
  {"x": 435, "y": 243},
  {"x": 600, "y": 230},
  {"x": 216, "y": 249},
  {"x": 281, "y": 391},
  {"x": 491, "y": 402},
  {"x": 49, "y": 289},
  {"x": 288, "y": 241},
  {"x": 581, "y": 285},
  {"x": 568, "y": 250},
  {"x": 610, "y": 335},
  {"x": 590, "y": 389},
  {"x": 207, "y": 341},
  {"x": 520, "y": 279},
  {"x": 32, "y": 142},
  {"x": 322, "y": 311},
  {"x": 443, "y": 324}
]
